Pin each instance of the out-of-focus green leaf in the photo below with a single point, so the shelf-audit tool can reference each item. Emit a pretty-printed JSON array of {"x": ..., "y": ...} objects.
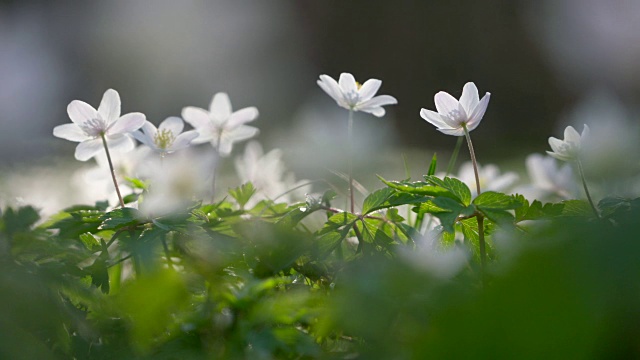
[
  {"x": 243, "y": 193},
  {"x": 120, "y": 218},
  {"x": 432, "y": 166}
]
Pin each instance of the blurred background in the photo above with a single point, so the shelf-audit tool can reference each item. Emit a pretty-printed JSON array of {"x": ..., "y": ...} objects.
[{"x": 541, "y": 60}]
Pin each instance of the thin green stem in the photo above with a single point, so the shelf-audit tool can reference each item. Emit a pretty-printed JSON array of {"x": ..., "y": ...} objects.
[
  {"x": 350, "y": 156},
  {"x": 454, "y": 156},
  {"x": 113, "y": 172},
  {"x": 586, "y": 189},
  {"x": 480, "y": 217}
]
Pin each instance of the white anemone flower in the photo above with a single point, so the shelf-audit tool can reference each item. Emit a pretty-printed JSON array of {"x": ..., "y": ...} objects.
[
  {"x": 548, "y": 181},
  {"x": 90, "y": 125},
  {"x": 350, "y": 95},
  {"x": 166, "y": 138},
  {"x": 568, "y": 149},
  {"x": 491, "y": 179},
  {"x": 454, "y": 115},
  {"x": 269, "y": 176},
  {"x": 220, "y": 125}
]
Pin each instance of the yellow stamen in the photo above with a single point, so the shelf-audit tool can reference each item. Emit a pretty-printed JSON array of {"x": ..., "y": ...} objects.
[{"x": 164, "y": 139}]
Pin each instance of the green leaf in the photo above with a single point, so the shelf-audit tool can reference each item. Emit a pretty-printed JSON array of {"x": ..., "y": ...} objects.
[
  {"x": 579, "y": 208},
  {"x": 447, "y": 210},
  {"x": 90, "y": 242},
  {"x": 243, "y": 193},
  {"x": 419, "y": 188},
  {"x": 497, "y": 201},
  {"x": 432, "y": 166},
  {"x": 388, "y": 197},
  {"x": 536, "y": 210},
  {"x": 19, "y": 221},
  {"x": 137, "y": 183},
  {"x": 455, "y": 186},
  {"x": 120, "y": 218}
]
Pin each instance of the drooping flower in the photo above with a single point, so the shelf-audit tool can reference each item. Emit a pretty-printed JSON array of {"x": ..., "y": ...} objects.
[
  {"x": 90, "y": 125},
  {"x": 568, "y": 149},
  {"x": 453, "y": 115},
  {"x": 220, "y": 125},
  {"x": 166, "y": 138},
  {"x": 352, "y": 96}
]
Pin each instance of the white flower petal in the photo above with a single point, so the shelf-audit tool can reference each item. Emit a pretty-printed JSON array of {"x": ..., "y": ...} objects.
[
  {"x": 220, "y": 107},
  {"x": 80, "y": 112},
  {"x": 434, "y": 118},
  {"x": 146, "y": 134},
  {"x": 347, "y": 83},
  {"x": 376, "y": 111},
  {"x": 127, "y": 123},
  {"x": 556, "y": 144},
  {"x": 225, "y": 147},
  {"x": 451, "y": 131},
  {"x": 88, "y": 149},
  {"x": 243, "y": 132},
  {"x": 196, "y": 117},
  {"x": 478, "y": 112},
  {"x": 369, "y": 89},
  {"x": 184, "y": 140},
  {"x": 71, "y": 132},
  {"x": 331, "y": 87},
  {"x": 109, "y": 108},
  {"x": 559, "y": 156},
  {"x": 469, "y": 99},
  {"x": 120, "y": 143},
  {"x": 585, "y": 132},
  {"x": 242, "y": 116},
  {"x": 377, "y": 101},
  {"x": 445, "y": 103},
  {"x": 173, "y": 124},
  {"x": 571, "y": 135}
]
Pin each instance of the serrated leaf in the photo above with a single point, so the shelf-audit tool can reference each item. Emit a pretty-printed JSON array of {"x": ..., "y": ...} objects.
[
  {"x": 419, "y": 188},
  {"x": 120, "y": 218},
  {"x": 496, "y": 201},
  {"x": 447, "y": 210},
  {"x": 90, "y": 242},
  {"x": 578, "y": 208},
  {"x": 455, "y": 186},
  {"x": 388, "y": 197},
  {"x": 243, "y": 193},
  {"x": 536, "y": 210},
  {"x": 19, "y": 220}
]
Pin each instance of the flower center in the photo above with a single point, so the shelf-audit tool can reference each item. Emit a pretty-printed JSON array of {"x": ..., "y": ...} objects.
[
  {"x": 457, "y": 116},
  {"x": 94, "y": 127},
  {"x": 164, "y": 139},
  {"x": 358, "y": 86}
]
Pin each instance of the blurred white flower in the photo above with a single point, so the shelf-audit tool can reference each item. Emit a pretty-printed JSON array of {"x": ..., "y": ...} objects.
[
  {"x": 220, "y": 125},
  {"x": 175, "y": 183},
  {"x": 568, "y": 149},
  {"x": 454, "y": 115},
  {"x": 89, "y": 125},
  {"x": 96, "y": 183},
  {"x": 167, "y": 138},
  {"x": 268, "y": 174},
  {"x": 443, "y": 263},
  {"x": 352, "y": 96},
  {"x": 490, "y": 178},
  {"x": 548, "y": 180}
]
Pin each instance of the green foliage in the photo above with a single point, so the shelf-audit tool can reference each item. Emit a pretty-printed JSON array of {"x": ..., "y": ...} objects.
[{"x": 310, "y": 281}]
